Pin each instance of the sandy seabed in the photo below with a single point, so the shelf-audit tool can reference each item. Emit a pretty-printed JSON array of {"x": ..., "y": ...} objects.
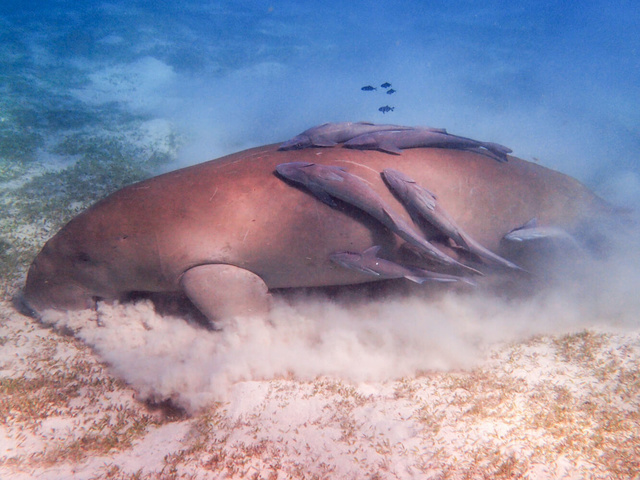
[{"x": 87, "y": 399}]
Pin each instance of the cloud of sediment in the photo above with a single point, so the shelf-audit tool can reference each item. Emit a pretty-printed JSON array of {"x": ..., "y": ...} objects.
[{"x": 165, "y": 357}]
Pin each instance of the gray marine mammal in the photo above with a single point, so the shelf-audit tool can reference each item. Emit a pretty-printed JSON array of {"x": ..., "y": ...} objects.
[{"x": 228, "y": 231}]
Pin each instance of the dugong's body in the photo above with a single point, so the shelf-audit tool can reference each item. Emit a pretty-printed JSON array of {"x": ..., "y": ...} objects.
[{"x": 227, "y": 230}]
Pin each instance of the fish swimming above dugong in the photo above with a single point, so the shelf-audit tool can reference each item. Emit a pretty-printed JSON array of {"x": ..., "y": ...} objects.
[
  {"x": 531, "y": 232},
  {"x": 229, "y": 232}
]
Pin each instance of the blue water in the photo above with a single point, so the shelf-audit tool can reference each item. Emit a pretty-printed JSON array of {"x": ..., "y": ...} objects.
[{"x": 558, "y": 82}]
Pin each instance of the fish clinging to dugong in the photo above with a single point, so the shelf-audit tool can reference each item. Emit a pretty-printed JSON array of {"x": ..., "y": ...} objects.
[
  {"x": 394, "y": 141},
  {"x": 228, "y": 232},
  {"x": 422, "y": 205},
  {"x": 326, "y": 182},
  {"x": 330, "y": 134},
  {"x": 370, "y": 263}
]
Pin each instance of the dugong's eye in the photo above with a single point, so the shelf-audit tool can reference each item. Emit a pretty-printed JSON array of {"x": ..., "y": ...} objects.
[{"x": 83, "y": 257}]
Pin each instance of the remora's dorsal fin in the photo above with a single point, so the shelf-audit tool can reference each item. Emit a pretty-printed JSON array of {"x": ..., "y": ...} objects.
[
  {"x": 496, "y": 147},
  {"x": 533, "y": 223},
  {"x": 330, "y": 175},
  {"x": 426, "y": 199},
  {"x": 389, "y": 147},
  {"x": 372, "y": 251},
  {"x": 390, "y": 218},
  {"x": 322, "y": 141},
  {"x": 322, "y": 195}
]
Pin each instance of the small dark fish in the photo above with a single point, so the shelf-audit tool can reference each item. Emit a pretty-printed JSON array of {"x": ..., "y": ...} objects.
[
  {"x": 385, "y": 85},
  {"x": 368, "y": 88},
  {"x": 386, "y": 109},
  {"x": 390, "y": 91}
]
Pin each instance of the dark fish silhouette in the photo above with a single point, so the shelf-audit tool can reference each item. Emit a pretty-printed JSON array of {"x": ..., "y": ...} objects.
[
  {"x": 386, "y": 109},
  {"x": 385, "y": 85},
  {"x": 390, "y": 91},
  {"x": 368, "y": 88}
]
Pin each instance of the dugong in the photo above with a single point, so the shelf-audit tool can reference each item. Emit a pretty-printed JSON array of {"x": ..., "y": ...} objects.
[{"x": 227, "y": 231}]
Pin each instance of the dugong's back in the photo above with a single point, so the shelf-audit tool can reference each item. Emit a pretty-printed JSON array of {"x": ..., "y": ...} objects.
[{"x": 235, "y": 211}]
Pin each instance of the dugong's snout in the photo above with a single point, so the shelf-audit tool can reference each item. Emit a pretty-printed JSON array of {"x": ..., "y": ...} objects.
[{"x": 49, "y": 286}]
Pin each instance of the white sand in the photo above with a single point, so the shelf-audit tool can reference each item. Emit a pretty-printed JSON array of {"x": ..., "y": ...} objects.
[{"x": 317, "y": 393}]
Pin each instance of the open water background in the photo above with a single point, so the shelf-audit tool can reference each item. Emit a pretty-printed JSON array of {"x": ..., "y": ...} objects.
[{"x": 559, "y": 82}]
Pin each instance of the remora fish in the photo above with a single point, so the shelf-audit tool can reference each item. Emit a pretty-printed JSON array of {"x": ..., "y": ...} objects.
[
  {"x": 369, "y": 263},
  {"x": 330, "y": 134},
  {"x": 393, "y": 141},
  {"x": 326, "y": 181},
  {"x": 423, "y": 205},
  {"x": 531, "y": 232}
]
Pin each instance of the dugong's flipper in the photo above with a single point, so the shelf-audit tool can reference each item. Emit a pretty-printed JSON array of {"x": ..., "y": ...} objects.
[{"x": 221, "y": 291}]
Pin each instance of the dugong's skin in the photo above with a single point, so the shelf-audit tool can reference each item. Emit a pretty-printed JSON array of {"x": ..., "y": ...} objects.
[{"x": 181, "y": 230}]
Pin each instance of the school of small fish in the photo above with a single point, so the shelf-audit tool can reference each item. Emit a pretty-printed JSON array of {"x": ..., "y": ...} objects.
[{"x": 389, "y": 91}]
